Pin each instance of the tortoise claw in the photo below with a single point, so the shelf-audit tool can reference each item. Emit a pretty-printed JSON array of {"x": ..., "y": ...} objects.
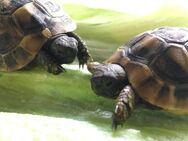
[
  {"x": 81, "y": 66},
  {"x": 83, "y": 59},
  {"x": 120, "y": 115},
  {"x": 83, "y": 53},
  {"x": 55, "y": 69},
  {"x": 124, "y": 107},
  {"x": 61, "y": 69}
]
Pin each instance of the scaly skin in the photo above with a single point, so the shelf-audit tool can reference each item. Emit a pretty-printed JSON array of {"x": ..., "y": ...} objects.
[
  {"x": 124, "y": 106},
  {"x": 45, "y": 59},
  {"x": 83, "y": 53},
  {"x": 55, "y": 68}
]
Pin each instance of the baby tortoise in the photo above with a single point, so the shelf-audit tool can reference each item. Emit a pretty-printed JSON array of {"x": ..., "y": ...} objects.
[
  {"x": 38, "y": 30},
  {"x": 152, "y": 66}
]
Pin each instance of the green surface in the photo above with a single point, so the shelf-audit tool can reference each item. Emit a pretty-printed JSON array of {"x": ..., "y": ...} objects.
[
  {"x": 64, "y": 108},
  {"x": 38, "y": 106}
]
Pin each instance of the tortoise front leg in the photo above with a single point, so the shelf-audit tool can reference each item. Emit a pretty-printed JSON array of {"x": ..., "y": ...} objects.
[
  {"x": 124, "y": 106},
  {"x": 46, "y": 60},
  {"x": 83, "y": 53}
]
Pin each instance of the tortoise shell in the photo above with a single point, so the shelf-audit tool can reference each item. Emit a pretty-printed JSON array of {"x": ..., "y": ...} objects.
[
  {"x": 25, "y": 25},
  {"x": 156, "y": 63}
]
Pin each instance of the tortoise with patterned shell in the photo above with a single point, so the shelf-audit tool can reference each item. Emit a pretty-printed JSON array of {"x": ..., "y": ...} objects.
[
  {"x": 38, "y": 30},
  {"x": 152, "y": 67}
]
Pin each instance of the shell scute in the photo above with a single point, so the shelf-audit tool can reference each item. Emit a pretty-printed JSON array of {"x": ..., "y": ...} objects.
[
  {"x": 10, "y": 61},
  {"x": 162, "y": 78},
  {"x": 21, "y": 56}
]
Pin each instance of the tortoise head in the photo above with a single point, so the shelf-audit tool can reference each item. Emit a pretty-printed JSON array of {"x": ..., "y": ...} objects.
[
  {"x": 107, "y": 80},
  {"x": 64, "y": 49}
]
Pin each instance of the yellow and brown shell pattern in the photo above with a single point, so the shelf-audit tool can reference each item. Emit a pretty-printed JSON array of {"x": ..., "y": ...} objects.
[
  {"x": 25, "y": 25},
  {"x": 157, "y": 66}
]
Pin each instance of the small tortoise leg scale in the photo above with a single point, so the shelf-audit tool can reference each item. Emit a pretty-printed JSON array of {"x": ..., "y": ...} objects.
[
  {"x": 124, "y": 106},
  {"x": 55, "y": 68},
  {"x": 50, "y": 63},
  {"x": 83, "y": 53}
]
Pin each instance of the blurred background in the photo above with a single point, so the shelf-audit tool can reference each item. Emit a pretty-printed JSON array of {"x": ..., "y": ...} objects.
[
  {"x": 106, "y": 25},
  {"x": 38, "y": 106}
]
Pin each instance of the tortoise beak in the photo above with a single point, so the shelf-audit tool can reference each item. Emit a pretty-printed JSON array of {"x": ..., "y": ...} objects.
[{"x": 92, "y": 66}]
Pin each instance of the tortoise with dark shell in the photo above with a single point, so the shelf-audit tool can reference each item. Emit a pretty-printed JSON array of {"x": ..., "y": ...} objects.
[
  {"x": 152, "y": 67},
  {"x": 38, "y": 30}
]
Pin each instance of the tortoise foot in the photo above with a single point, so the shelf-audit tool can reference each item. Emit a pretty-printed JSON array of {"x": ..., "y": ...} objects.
[
  {"x": 124, "y": 107},
  {"x": 120, "y": 115},
  {"x": 55, "y": 69}
]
